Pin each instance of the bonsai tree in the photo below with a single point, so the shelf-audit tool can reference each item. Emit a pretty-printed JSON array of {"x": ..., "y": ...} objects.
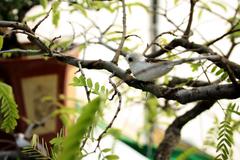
[{"x": 180, "y": 40}]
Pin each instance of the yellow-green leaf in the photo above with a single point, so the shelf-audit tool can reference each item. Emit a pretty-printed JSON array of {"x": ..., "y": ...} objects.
[
  {"x": 1, "y": 42},
  {"x": 44, "y": 3}
]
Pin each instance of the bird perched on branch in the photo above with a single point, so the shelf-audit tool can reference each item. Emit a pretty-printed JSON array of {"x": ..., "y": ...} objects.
[{"x": 150, "y": 69}]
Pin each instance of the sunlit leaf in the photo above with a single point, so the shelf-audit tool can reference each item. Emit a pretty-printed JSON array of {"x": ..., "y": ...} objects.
[
  {"x": 81, "y": 9},
  {"x": 76, "y": 133},
  {"x": 220, "y": 4},
  {"x": 1, "y": 42},
  {"x": 55, "y": 13},
  {"x": 89, "y": 83},
  {"x": 111, "y": 157},
  {"x": 106, "y": 150},
  {"x": 8, "y": 108},
  {"x": 34, "y": 17},
  {"x": 44, "y": 3}
]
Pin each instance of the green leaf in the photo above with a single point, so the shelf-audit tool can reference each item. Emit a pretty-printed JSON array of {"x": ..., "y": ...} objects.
[
  {"x": 114, "y": 132},
  {"x": 206, "y": 6},
  {"x": 103, "y": 89},
  {"x": 220, "y": 71},
  {"x": 34, "y": 17},
  {"x": 77, "y": 132},
  {"x": 8, "y": 108},
  {"x": 81, "y": 9},
  {"x": 82, "y": 47},
  {"x": 56, "y": 18},
  {"x": 89, "y": 83},
  {"x": 79, "y": 81},
  {"x": 111, "y": 157},
  {"x": 1, "y": 42},
  {"x": 213, "y": 69},
  {"x": 96, "y": 87},
  {"x": 176, "y": 2},
  {"x": 200, "y": 13},
  {"x": 195, "y": 66},
  {"x": 220, "y": 4},
  {"x": 44, "y": 3},
  {"x": 106, "y": 150},
  {"x": 55, "y": 13},
  {"x": 138, "y": 4},
  {"x": 224, "y": 76}
]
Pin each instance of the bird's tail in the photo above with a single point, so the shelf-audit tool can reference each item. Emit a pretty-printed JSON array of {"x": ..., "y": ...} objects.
[{"x": 185, "y": 60}]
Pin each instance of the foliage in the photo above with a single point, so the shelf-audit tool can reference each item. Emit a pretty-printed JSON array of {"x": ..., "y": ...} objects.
[
  {"x": 72, "y": 145},
  {"x": 76, "y": 133},
  {"x": 1, "y": 42},
  {"x": 94, "y": 88},
  {"x": 8, "y": 108},
  {"x": 225, "y": 138},
  {"x": 38, "y": 150}
]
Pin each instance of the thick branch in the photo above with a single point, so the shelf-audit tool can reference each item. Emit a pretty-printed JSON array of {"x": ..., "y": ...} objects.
[
  {"x": 210, "y": 92},
  {"x": 201, "y": 49},
  {"x": 186, "y": 81},
  {"x": 173, "y": 133},
  {"x": 26, "y": 30}
]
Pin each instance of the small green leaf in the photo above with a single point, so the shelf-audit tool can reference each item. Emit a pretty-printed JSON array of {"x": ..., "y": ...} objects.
[
  {"x": 89, "y": 83},
  {"x": 103, "y": 88},
  {"x": 111, "y": 157},
  {"x": 176, "y": 2},
  {"x": 106, "y": 150},
  {"x": 80, "y": 8},
  {"x": 1, "y": 42},
  {"x": 55, "y": 13},
  {"x": 96, "y": 87},
  {"x": 56, "y": 18},
  {"x": 200, "y": 13},
  {"x": 114, "y": 132},
  {"x": 44, "y": 3},
  {"x": 219, "y": 71},
  {"x": 82, "y": 47},
  {"x": 195, "y": 66},
  {"x": 8, "y": 108},
  {"x": 224, "y": 76},
  {"x": 220, "y": 4},
  {"x": 79, "y": 81},
  {"x": 213, "y": 69},
  {"x": 34, "y": 17}
]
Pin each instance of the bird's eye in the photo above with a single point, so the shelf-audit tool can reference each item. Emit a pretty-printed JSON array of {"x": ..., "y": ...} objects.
[{"x": 130, "y": 59}]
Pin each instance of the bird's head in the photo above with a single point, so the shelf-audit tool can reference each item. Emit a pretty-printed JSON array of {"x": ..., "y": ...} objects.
[{"x": 132, "y": 58}]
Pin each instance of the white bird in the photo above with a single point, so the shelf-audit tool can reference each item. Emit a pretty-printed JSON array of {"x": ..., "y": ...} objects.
[{"x": 149, "y": 70}]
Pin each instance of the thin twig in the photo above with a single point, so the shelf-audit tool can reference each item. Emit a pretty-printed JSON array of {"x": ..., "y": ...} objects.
[
  {"x": 116, "y": 113},
  {"x": 154, "y": 41},
  {"x": 188, "y": 29},
  {"x": 85, "y": 87},
  {"x": 39, "y": 23},
  {"x": 23, "y": 51},
  {"x": 118, "y": 52}
]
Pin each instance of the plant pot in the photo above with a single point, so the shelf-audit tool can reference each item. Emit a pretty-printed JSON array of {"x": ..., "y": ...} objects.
[{"x": 32, "y": 80}]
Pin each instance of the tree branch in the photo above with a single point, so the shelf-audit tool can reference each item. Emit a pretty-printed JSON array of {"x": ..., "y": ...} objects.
[
  {"x": 188, "y": 29},
  {"x": 210, "y": 92},
  {"x": 173, "y": 132},
  {"x": 201, "y": 49},
  {"x": 118, "y": 52}
]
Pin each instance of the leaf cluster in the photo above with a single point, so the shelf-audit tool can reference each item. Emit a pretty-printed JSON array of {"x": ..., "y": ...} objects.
[
  {"x": 8, "y": 108},
  {"x": 95, "y": 88}
]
